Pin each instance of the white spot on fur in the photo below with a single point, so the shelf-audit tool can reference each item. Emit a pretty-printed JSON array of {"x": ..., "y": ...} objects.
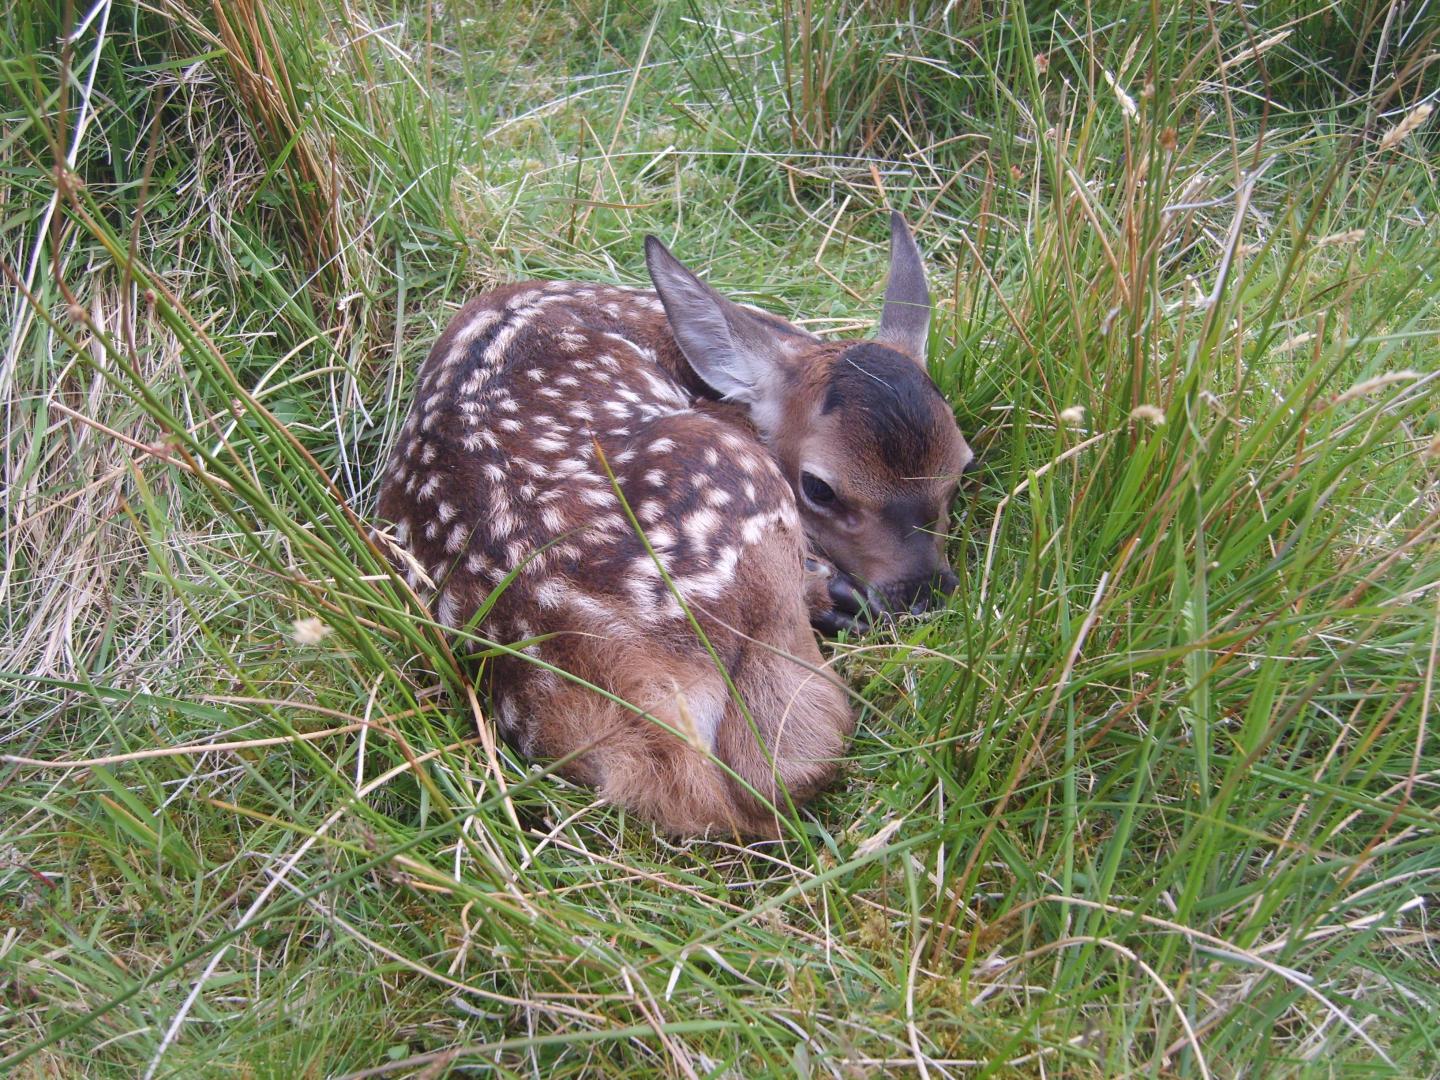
[
  {"x": 495, "y": 351},
  {"x": 756, "y": 527},
  {"x": 480, "y": 322},
  {"x": 712, "y": 582},
  {"x": 701, "y": 525},
  {"x": 510, "y": 725}
]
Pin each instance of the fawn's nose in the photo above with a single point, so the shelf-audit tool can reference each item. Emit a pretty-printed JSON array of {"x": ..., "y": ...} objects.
[
  {"x": 918, "y": 594},
  {"x": 858, "y": 606},
  {"x": 935, "y": 589}
]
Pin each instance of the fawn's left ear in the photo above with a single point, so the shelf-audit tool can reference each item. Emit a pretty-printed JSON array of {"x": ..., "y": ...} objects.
[
  {"x": 905, "y": 319},
  {"x": 739, "y": 353}
]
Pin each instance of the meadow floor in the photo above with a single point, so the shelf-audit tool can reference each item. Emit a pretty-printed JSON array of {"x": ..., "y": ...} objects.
[{"x": 1157, "y": 794}]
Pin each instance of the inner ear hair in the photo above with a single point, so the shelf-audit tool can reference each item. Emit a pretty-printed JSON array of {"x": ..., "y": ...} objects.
[{"x": 737, "y": 352}]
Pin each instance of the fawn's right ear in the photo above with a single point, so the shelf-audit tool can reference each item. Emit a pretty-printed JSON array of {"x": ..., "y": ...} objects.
[{"x": 740, "y": 354}]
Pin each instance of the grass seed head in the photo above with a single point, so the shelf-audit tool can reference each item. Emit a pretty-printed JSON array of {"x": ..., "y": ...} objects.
[
  {"x": 1368, "y": 386},
  {"x": 309, "y": 631},
  {"x": 1406, "y": 127}
]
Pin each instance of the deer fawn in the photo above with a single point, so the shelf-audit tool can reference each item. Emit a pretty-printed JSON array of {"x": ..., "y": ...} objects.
[{"x": 780, "y": 481}]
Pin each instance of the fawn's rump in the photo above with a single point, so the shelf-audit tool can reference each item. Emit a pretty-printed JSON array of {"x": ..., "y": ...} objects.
[
  {"x": 678, "y": 747},
  {"x": 551, "y": 421}
]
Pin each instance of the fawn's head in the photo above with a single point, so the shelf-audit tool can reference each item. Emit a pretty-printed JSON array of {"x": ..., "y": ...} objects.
[{"x": 860, "y": 431}]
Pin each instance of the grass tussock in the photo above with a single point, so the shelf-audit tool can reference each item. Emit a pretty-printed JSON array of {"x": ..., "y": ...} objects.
[{"x": 1156, "y": 794}]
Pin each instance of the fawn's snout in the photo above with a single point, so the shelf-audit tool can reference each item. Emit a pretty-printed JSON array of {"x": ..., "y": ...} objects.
[{"x": 911, "y": 594}]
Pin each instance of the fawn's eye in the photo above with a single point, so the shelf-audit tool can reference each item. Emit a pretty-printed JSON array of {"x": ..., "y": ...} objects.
[{"x": 817, "y": 492}]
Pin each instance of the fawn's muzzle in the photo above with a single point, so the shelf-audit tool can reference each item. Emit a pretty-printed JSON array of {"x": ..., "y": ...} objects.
[
  {"x": 861, "y": 605},
  {"x": 916, "y": 595}
]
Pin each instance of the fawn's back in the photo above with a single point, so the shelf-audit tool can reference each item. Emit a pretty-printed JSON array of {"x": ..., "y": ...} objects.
[{"x": 733, "y": 437}]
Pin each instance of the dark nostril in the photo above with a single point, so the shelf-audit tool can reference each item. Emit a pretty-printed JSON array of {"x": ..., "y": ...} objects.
[
  {"x": 922, "y": 591},
  {"x": 971, "y": 465}
]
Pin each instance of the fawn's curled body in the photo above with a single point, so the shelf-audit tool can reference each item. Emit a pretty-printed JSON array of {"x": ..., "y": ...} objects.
[{"x": 534, "y": 396}]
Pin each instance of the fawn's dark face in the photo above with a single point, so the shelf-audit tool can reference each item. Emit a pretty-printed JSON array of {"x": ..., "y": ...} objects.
[
  {"x": 865, "y": 438},
  {"x": 875, "y": 458}
]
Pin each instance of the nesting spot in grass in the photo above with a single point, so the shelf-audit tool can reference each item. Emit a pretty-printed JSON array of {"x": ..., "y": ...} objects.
[
  {"x": 1148, "y": 414},
  {"x": 309, "y": 631}
]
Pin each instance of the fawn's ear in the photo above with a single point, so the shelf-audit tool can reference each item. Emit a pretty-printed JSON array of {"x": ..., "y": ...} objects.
[
  {"x": 739, "y": 353},
  {"x": 905, "y": 319}
]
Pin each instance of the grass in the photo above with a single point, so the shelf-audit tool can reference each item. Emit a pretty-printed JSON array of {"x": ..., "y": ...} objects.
[{"x": 1157, "y": 794}]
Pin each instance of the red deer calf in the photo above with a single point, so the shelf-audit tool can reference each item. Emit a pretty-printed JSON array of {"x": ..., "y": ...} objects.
[{"x": 780, "y": 480}]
